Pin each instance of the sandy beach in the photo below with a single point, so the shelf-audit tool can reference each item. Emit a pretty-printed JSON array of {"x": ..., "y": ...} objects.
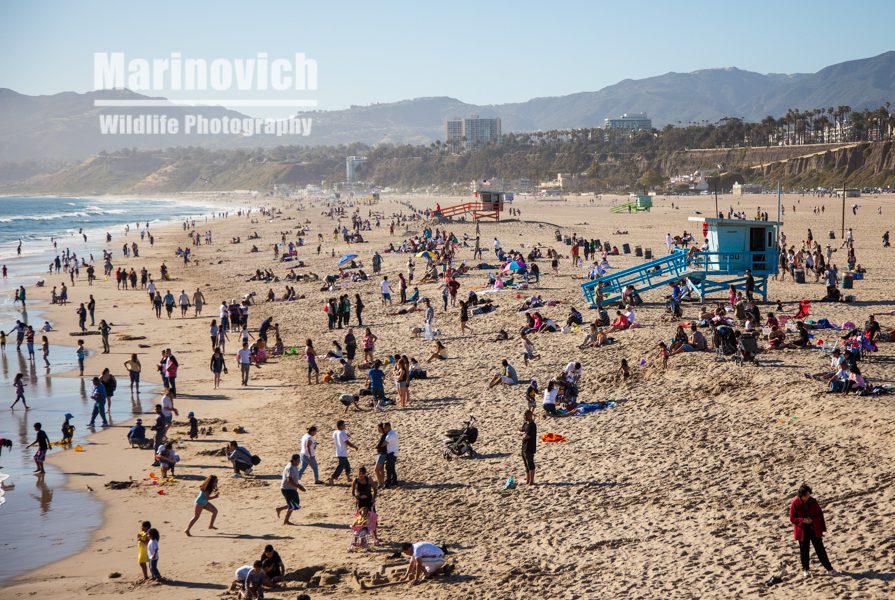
[{"x": 679, "y": 490}]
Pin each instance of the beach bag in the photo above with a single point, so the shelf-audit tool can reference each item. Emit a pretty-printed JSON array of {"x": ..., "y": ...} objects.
[{"x": 256, "y": 460}]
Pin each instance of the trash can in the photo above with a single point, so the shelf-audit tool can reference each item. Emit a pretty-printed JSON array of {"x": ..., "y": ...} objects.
[
  {"x": 800, "y": 275},
  {"x": 567, "y": 240},
  {"x": 595, "y": 244},
  {"x": 607, "y": 247},
  {"x": 626, "y": 248},
  {"x": 638, "y": 251},
  {"x": 648, "y": 254},
  {"x": 847, "y": 281},
  {"x": 832, "y": 235}
]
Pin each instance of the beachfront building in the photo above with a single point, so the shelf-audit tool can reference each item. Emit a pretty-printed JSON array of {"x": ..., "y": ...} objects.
[
  {"x": 746, "y": 188},
  {"x": 352, "y": 165},
  {"x": 629, "y": 122},
  {"x": 471, "y": 133}
]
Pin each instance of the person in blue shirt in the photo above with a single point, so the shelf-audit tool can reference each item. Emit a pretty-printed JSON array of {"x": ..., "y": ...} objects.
[
  {"x": 169, "y": 303},
  {"x": 137, "y": 434},
  {"x": 376, "y": 377},
  {"x": 99, "y": 402}
]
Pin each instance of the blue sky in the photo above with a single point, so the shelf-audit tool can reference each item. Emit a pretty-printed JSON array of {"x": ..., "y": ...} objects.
[{"x": 479, "y": 52}]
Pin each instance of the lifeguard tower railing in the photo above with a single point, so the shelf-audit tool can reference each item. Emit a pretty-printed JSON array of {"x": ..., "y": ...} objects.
[{"x": 701, "y": 268}]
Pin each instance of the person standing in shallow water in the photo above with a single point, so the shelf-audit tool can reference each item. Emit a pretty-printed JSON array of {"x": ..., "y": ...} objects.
[{"x": 809, "y": 526}]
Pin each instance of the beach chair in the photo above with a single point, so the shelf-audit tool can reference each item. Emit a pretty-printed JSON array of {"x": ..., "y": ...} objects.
[{"x": 804, "y": 309}]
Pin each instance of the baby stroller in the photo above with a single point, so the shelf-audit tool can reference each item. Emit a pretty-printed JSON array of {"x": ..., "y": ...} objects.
[
  {"x": 459, "y": 441},
  {"x": 724, "y": 340},
  {"x": 747, "y": 348}
]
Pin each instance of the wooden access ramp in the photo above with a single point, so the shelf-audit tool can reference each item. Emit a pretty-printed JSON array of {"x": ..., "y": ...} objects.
[{"x": 477, "y": 210}]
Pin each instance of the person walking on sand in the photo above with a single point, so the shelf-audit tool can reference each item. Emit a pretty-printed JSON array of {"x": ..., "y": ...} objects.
[
  {"x": 809, "y": 526},
  {"x": 142, "y": 548},
  {"x": 217, "y": 366},
  {"x": 308, "y": 454},
  {"x": 529, "y": 434},
  {"x": 208, "y": 491},
  {"x": 42, "y": 441},
  {"x": 289, "y": 488},
  {"x": 198, "y": 302},
  {"x": 244, "y": 358},
  {"x": 311, "y": 357},
  {"x": 342, "y": 443},
  {"x": 184, "y": 303}
]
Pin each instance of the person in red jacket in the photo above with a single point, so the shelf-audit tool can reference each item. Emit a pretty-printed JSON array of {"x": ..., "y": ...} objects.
[{"x": 808, "y": 522}]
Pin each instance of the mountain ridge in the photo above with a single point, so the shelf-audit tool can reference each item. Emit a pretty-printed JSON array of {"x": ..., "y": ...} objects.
[{"x": 64, "y": 126}]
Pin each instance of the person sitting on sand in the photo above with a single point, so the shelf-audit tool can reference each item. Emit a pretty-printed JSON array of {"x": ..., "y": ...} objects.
[
  {"x": 438, "y": 351},
  {"x": 346, "y": 373},
  {"x": 426, "y": 560},
  {"x": 621, "y": 322},
  {"x": 336, "y": 353},
  {"x": 836, "y": 363},
  {"x": 777, "y": 339},
  {"x": 507, "y": 376},
  {"x": 803, "y": 340}
]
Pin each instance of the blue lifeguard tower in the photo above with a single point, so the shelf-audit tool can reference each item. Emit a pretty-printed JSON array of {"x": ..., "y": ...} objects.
[{"x": 733, "y": 246}]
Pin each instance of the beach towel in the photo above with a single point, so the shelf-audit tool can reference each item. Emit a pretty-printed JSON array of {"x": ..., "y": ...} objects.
[{"x": 553, "y": 437}]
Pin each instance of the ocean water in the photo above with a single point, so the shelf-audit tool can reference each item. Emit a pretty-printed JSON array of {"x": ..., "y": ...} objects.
[{"x": 40, "y": 520}]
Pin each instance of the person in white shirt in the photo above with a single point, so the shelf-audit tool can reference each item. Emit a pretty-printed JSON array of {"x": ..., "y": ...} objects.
[
  {"x": 550, "y": 395},
  {"x": 385, "y": 288},
  {"x": 573, "y": 372},
  {"x": 244, "y": 358},
  {"x": 151, "y": 290},
  {"x": 496, "y": 247},
  {"x": 168, "y": 410},
  {"x": 391, "y": 455},
  {"x": 669, "y": 242},
  {"x": 342, "y": 442},
  {"x": 308, "y": 452},
  {"x": 184, "y": 301},
  {"x": 289, "y": 488},
  {"x": 426, "y": 560}
]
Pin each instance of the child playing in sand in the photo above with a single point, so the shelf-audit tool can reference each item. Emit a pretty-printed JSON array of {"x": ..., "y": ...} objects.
[
  {"x": 528, "y": 348},
  {"x": 194, "y": 425},
  {"x": 152, "y": 550},
  {"x": 68, "y": 430},
  {"x": 208, "y": 491},
  {"x": 664, "y": 353},
  {"x": 624, "y": 371},
  {"x": 143, "y": 548}
]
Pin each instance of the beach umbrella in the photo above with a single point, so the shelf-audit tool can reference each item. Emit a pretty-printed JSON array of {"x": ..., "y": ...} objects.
[
  {"x": 514, "y": 266},
  {"x": 425, "y": 254},
  {"x": 347, "y": 258}
]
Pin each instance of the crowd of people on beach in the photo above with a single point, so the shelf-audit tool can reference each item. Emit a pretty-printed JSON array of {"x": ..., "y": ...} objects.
[{"x": 381, "y": 381}]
